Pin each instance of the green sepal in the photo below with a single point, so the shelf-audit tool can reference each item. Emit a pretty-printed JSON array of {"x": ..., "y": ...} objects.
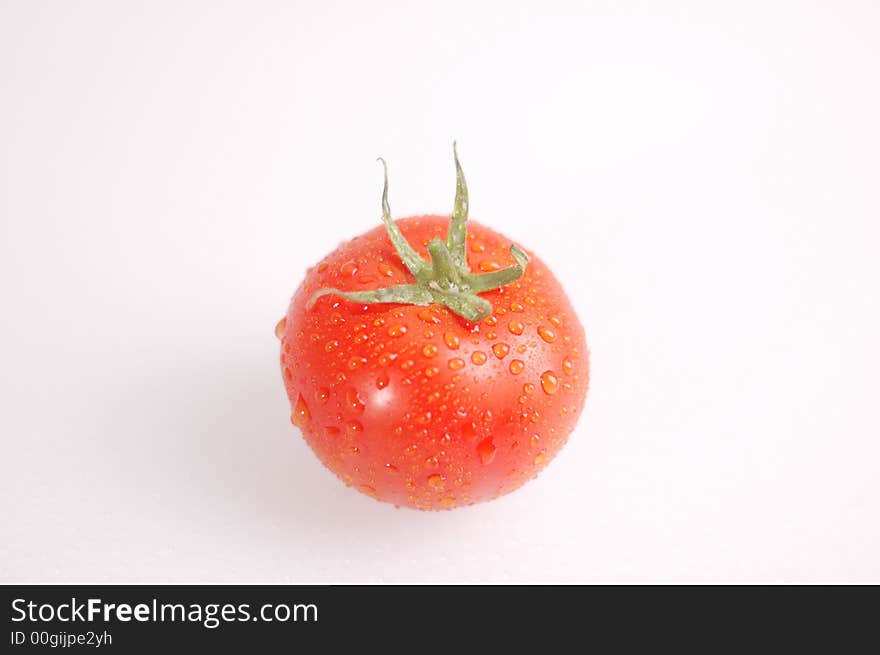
[{"x": 446, "y": 280}]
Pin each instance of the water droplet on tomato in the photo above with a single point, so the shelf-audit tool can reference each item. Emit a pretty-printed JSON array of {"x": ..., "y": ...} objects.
[
  {"x": 451, "y": 340},
  {"x": 431, "y": 371},
  {"x": 385, "y": 269},
  {"x": 546, "y": 334},
  {"x": 355, "y": 362},
  {"x": 567, "y": 366},
  {"x": 382, "y": 380},
  {"x": 353, "y": 427},
  {"x": 516, "y": 366},
  {"x": 355, "y": 402},
  {"x": 429, "y": 350},
  {"x": 476, "y": 246},
  {"x": 397, "y": 330},
  {"x": 349, "y": 268},
  {"x": 429, "y": 316},
  {"x": 487, "y": 267},
  {"x": 515, "y": 327},
  {"x": 540, "y": 458},
  {"x": 500, "y": 350},
  {"x": 300, "y": 415},
  {"x": 455, "y": 363},
  {"x": 517, "y": 307},
  {"x": 280, "y": 327},
  {"x": 332, "y": 431},
  {"x": 487, "y": 450},
  {"x": 549, "y": 382},
  {"x": 331, "y": 345},
  {"x": 554, "y": 321},
  {"x": 367, "y": 489},
  {"x": 478, "y": 357},
  {"x": 491, "y": 321},
  {"x": 528, "y": 387},
  {"x": 436, "y": 480}
]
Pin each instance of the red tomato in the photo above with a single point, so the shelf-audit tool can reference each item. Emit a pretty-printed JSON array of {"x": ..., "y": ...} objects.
[{"x": 415, "y": 405}]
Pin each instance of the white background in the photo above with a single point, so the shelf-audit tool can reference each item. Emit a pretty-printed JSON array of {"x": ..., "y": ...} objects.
[{"x": 702, "y": 177}]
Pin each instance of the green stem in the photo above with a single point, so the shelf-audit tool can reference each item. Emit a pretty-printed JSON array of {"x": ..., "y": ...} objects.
[
  {"x": 457, "y": 235},
  {"x": 495, "y": 279},
  {"x": 443, "y": 269},
  {"x": 416, "y": 265},
  {"x": 446, "y": 280}
]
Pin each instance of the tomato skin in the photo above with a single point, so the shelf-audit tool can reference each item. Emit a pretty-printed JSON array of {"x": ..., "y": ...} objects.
[{"x": 416, "y": 406}]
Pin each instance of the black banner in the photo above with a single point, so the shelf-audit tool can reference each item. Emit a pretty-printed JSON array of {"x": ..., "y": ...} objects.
[{"x": 149, "y": 618}]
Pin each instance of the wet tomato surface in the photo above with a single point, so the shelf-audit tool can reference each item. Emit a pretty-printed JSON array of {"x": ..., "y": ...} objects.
[{"x": 414, "y": 404}]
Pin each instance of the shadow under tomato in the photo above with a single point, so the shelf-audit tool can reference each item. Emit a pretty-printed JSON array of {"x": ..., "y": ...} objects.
[
  {"x": 227, "y": 490},
  {"x": 234, "y": 449}
]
